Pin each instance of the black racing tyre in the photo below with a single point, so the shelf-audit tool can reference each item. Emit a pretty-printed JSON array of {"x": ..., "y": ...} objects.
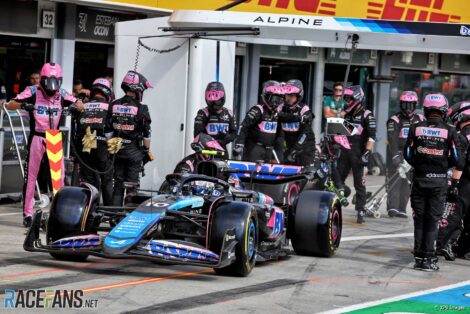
[
  {"x": 317, "y": 224},
  {"x": 70, "y": 216},
  {"x": 243, "y": 218}
]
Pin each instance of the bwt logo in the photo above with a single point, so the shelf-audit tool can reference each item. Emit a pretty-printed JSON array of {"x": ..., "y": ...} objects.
[
  {"x": 46, "y": 299},
  {"x": 431, "y": 132},
  {"x": 292, "y": 126},
  {"x": 215, "y": 128},
  {"x": 123, "y": 110},
  {"x": 464, "y": 31}
]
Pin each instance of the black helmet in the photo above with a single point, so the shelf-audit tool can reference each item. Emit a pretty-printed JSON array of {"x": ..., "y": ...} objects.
[
  {"x": 460, "y": 112},
  {"x": 215, "y": 96},
  {"x": 135, "y": 82},
  {"x": 294, "y": 87},
  {"x": 272, "y": 94}
]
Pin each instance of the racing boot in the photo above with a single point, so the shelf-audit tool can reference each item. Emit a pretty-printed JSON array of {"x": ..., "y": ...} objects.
[
  {"x": 27, "y": 221},
  {"x": 447, "y": 252},
  {"x": 430, "y": 264},
  {"x": 342, "y": 198},
  {"x": 418, "y": 263},
  {"x": 360, "y": 217}
]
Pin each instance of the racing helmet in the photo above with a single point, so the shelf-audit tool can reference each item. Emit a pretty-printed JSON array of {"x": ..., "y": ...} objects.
[
  {"x": 102, "y": 86},
  {"x": 408, "y": 102},
  {"x": 294, "y": 87},
  {"x": 435, "y": 102},
  {"x": 135, "y": 82},
  {"x": 459, "y": 113},
  {"x": 272, "y": 94},
  {"x": 51, "y": 78},
  {"x": 353, "y": 97},
  {"x": 215, "y": 96}
]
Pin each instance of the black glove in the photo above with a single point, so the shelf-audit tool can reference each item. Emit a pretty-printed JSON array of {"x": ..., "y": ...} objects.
[
  {"x": 365, "y": 157},
  {"x": 197, "y": 147},
  {"x": 148, "y": 156},
  {"x": 397, "y": 160},
  {"x": 27, "y": 107},
  {"x": 292, "y": 156},
  {"x": 453, "y": 191}
]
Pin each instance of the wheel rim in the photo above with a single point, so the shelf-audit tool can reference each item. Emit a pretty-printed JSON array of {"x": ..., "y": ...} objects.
[
  {"x": 251, "y": 239},
  {"x": 335, "y": 226},
  {"x": 293, "y": 192}
]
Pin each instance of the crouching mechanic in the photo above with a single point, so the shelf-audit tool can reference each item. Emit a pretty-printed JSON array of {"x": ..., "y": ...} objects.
[
  {"x": 397, "y": 132},
  {"x": 215, "y": 120},
  {"x": 296, "y": 121},
  {"x": 131, "y": 135},
  {"x": 37, "y": 100},
  {"x": 92, "y": 125},
  {"x": 432, "y": 147},
  {"x": 355, "y": 154},
  {"x": 260, "y": 135}
]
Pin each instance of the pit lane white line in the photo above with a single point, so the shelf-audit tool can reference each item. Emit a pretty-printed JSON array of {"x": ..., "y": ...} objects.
[
  {"x": 396, "y": 298},
  {"x": 10, "y": 214},
  {"x": 379, "y": 236}
]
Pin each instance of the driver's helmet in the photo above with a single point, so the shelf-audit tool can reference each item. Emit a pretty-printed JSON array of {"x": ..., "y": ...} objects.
[
  {"x": 51, "y": 78},
  {"x": 202, "y": 188}
]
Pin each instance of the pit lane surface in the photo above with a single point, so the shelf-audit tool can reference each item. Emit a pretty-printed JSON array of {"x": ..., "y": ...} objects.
[{"x": 374, "y": 262}]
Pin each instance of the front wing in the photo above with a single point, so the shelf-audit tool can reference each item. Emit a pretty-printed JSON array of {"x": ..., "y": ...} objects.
[{"x": 164, "y": 251}]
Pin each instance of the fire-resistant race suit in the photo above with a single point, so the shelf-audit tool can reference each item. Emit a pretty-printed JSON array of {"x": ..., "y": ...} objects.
[
  {"x": 37, "y": 100},
  {"x": 357, "y": 156},
  {"x": 97, "y": 117},
  {"x": 131, "y": 122},
  {"x": 296, "y": 121},
  {"x": 454, "y": 225},
  {"x": 432, "y": 148},
  {"x": 215, "y": 120},
  {"x": 397, "y": 131},
  {"x": 259, "y": 131}
]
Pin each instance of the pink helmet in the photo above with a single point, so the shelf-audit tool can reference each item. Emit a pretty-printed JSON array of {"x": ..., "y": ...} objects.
[
  {"x": 294, "y": 87},
  {"x": 435, "y": 102},
  {"x": 353, "y": 97},
  {"x": 215, "y": 96},
  {"x": 459, "y": 112},
  {"x": 135, "y": 82},
  {"x": 51, "y": 78},
  {"x": 103, "y": 87},
  {"x": 408, "y": 102},
  {"x": 272, "y": 94}
]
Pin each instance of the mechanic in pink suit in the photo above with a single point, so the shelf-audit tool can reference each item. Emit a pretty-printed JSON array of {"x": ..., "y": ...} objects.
[{"x": 37, "y": 100}]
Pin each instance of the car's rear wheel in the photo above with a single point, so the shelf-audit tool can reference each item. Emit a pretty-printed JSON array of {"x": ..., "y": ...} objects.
[{"x": 317, "y": 224}]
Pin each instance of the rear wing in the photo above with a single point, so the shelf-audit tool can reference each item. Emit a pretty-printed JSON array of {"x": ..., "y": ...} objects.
[{"x": 246, "y": 169}]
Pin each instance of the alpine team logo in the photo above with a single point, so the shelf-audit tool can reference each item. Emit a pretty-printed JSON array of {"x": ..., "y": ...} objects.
[{"x": 464, "y": 30}]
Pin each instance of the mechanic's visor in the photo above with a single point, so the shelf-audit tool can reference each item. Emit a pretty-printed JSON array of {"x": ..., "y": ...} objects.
[
  {"x": 348, "y": 98},
  {"x": 51, "y": 84},
  {"x": 214, "y": 95},
  {"x": 275, "y": 100}
]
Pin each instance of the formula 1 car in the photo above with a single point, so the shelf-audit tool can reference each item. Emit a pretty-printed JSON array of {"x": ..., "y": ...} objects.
[{"x": 201, "y": 220}]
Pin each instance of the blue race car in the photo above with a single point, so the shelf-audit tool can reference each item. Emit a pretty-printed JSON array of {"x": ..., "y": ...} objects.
[{"x": 200, "y": 220}]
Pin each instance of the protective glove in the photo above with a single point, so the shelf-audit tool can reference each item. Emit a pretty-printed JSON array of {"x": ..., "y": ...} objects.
[
  {"x": 89, "y": 141},
  {"x": 292, "y": 156},
  {"x": 238, "y": 150},
  {"x": 453, "y": 191},
  {"x": 197, "y": 147},
  {"x": 403, "y": 169},
  {"x": 148, "y": 156},
  {"x": 27, "y": 107},
  {"x": 365, "y": 157},
  {"x": 114, "y": 145},
  {"x": 397, "y": 160}
]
